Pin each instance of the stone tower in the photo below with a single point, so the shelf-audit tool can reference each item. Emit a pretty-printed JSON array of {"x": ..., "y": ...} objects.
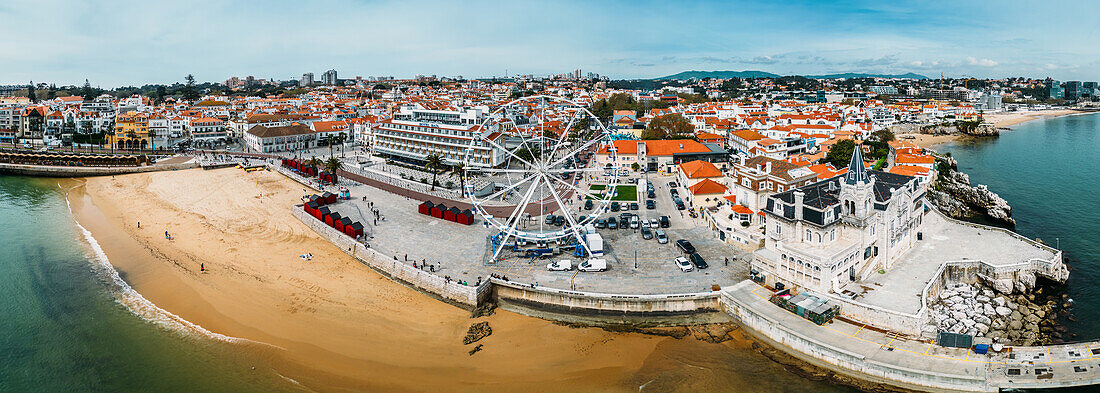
[{"x": 857, "y": 189}]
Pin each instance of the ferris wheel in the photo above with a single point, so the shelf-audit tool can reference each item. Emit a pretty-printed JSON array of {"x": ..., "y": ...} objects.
[{"x": 532, "y": 161}]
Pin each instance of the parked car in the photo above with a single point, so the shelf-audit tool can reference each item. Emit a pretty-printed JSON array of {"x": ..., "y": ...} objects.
[
  {"x": 680, "y": 205},
  {"x": 560, "y": 266},
  {"x": 661, "y": 237},
  {"x": 601, "y": 224},
  {"x": 645, "y": 224},
  {"x": 671, "y": 184},
  {"x": 665, "y": 222},
  {"x": 549, "y": 219},
  {"x": 615, "y": 206},
  {"x": 587, "y": 204},
  {"x": 683, "y": 264},
  {"x": 633, "y": 205},
  {"x": 559, "y": 220},
  {"x": 685, "y": 246},
  {"x": 650, "y": 204},
  {"x": 634, "y": 224},
  {"x": 646, "y": 233},
  {"x": 624, "y": 222},
  {"x": 651, "y": 194},
  {"x": 698, "y": 261},
  {"x": 593, "y": 265},
  {"x": 653, "y": 223},
  {"x": 612, "y": 224}
]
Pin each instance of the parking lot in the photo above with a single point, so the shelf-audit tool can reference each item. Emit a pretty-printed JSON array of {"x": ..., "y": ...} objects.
[{"x": 635, "y": 265}]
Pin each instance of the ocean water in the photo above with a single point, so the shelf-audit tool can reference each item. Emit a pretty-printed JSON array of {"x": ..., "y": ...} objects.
[
  {"x": 1049, "y": 172},
  {"x": 64, "y": 329}
]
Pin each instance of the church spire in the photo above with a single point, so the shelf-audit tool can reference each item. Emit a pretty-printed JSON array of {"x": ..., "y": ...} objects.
[{"x": 857, "y": 173}]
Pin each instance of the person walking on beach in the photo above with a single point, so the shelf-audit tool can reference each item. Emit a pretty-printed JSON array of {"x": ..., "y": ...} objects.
[{"x": 202, "y": 268}]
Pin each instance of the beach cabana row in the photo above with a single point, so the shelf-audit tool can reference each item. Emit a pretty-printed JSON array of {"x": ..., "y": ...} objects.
[
  {"x": 333, "y": 219},
  {"x": 452, "y": 213},
  {"x": 328, "y": 177}
]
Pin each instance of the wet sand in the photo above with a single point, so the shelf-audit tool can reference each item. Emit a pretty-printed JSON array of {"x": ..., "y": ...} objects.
[{"x": 339, "y": 326}]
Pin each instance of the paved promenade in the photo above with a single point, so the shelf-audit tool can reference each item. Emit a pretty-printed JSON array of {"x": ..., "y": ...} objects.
[{"x": 876, "y": 355}]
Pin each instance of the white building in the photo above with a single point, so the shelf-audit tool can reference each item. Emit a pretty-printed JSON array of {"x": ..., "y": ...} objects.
[
  {"x": 414, "y": 134},
  {"x": 264, "y": 139},
  {"x": 828, "y": 234}
]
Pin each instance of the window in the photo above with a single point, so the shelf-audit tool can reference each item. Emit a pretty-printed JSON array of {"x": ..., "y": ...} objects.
[{"x": 809, "y": 235}]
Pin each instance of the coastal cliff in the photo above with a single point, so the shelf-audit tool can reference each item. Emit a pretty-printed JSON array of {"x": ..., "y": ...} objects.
[{"x": 953, "y": 194}]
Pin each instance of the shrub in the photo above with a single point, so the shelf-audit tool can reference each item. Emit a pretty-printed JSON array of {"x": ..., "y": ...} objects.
[
  {"x": 745, "y": 224},
  {"x": 450, "y": 184}
]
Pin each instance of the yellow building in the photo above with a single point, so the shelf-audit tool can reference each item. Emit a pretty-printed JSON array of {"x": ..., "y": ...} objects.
[{"x": 131, "y": 131}]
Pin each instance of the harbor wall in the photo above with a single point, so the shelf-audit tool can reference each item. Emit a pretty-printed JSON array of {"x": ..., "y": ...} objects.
[
  {"x": 86, "y": 171},
  {"x": 464, "y": 296},
  {"x": 824, "y": 355}
]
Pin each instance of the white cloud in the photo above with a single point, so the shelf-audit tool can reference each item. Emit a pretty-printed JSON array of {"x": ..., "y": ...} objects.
[{"x": 981, "y": 62}]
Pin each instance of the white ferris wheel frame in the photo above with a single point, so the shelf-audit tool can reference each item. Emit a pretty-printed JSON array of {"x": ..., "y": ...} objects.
[{"x": 545, "y": 170}]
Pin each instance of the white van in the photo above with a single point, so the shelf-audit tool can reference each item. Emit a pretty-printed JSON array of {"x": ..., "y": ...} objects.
[{"x": 593, "y": 265}]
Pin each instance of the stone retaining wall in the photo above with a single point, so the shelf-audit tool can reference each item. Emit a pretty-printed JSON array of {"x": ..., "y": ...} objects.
[
  {"x": 464, "y": 296},
  {"x": 602, "y": 304},
  {"x": 86, "y": 171},
  {"x": 837, "y": 359}
]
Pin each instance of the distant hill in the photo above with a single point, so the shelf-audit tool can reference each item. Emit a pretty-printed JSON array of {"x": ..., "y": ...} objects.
[
  {"x": 720, "y": 75},
  {"x": 762, "y": 74},
  {"x": 849, "y": 75}
]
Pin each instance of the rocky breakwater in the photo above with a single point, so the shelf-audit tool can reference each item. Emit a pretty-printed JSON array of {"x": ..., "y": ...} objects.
[
  {"x": 953, "y": 194},
  {"x": 1009, "y": 319}
]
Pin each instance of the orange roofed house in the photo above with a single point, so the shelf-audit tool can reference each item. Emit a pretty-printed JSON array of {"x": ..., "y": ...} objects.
[{"x": 657, "y": 156}]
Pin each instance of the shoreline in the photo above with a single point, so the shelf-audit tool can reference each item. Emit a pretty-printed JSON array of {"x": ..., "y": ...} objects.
[
  {"x": 1001, "y": 121},
  {"x": 406, "y": 340}
]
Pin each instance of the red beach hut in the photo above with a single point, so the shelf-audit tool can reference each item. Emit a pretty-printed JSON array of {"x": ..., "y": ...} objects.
[
  {"x": 426, "y": 208},
  {"x": 437, "y": 210},
  {"x": 342, "y": 224},
  {"x": 466, "y": 217},
  {"x": 354, "y": 230},
  {"x": 451, "y": 213},
  {"x": 331, "y": 219},
  {"x": 321, "y": 212},
  {"x": 329, "y": 197}
]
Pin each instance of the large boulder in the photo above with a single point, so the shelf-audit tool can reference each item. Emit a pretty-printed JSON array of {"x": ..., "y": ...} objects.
[{"x": 1002, "y": 311}]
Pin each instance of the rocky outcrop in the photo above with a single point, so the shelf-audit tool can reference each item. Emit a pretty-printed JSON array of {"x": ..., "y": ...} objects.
[
  {"x": 477, "y": 332},
  {"x": 953, "y": 194},
  {"x": 984, "y": 129},
  {"x": 981, "y": 312}
]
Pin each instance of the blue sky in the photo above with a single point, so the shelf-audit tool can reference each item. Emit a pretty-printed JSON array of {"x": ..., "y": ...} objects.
[{"x": 116, "y": 43}]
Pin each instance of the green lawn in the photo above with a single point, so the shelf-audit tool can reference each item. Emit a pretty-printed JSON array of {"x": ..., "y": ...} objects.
[{"x": 628, "y": 193}]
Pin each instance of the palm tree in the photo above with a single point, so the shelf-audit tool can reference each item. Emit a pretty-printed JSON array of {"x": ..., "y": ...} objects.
[
  {"x": 459, "y": 170},
  {"x": 333, "y": 164},
  {"x": 433, "y": 164},
  {"x": 131, "y": 138},
  {"x": 328, "y": 140},
  {"x": 314, "y": 162},
  {"x": 342, "y": 138}
]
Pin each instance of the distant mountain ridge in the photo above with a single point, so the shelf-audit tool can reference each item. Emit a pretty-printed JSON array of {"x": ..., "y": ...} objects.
[{"x": 764, "y": 74}]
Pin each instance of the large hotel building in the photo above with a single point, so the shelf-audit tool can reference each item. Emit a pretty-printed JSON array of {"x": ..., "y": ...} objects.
[{"x": 414, "y": 134}]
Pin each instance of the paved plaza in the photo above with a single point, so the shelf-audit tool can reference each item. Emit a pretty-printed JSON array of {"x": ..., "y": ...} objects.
[
  {"x": 944, "y": 241},
  {"x": 461, "y": 251}
]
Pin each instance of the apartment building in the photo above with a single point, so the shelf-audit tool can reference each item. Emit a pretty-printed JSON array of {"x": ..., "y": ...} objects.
[{"x": 413, "y": 134}]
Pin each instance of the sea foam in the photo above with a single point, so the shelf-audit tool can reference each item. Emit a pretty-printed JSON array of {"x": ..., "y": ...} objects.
[{"x": 137, "y": 304}]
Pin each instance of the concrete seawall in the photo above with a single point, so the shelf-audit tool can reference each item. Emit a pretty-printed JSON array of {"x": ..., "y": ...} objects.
[
  {"x": 463, "y": 296},
  {"x": 86, "y": 171}
]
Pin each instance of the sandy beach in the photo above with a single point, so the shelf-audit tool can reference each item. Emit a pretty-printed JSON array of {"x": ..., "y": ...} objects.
[
  {"x": 339, "y": 325},
  {"x": 999, "y": 120}
]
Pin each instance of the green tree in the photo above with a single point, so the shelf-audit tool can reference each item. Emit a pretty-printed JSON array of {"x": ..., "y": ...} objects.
[
  {"x": 333, "y": 164},
  {"x": 671, "y": 126},
  {"x": 459, "y": 171},
  {"x": 131, "y": 137},
  {"x": 434, "y": 164},
  {"x": 840, "y": 154},
  {"x": 189, "y": 91},
  {"x": 315, "y": 162},
  {"x": 30, "y": 92},
  {"x": 635, "y": 167}
]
